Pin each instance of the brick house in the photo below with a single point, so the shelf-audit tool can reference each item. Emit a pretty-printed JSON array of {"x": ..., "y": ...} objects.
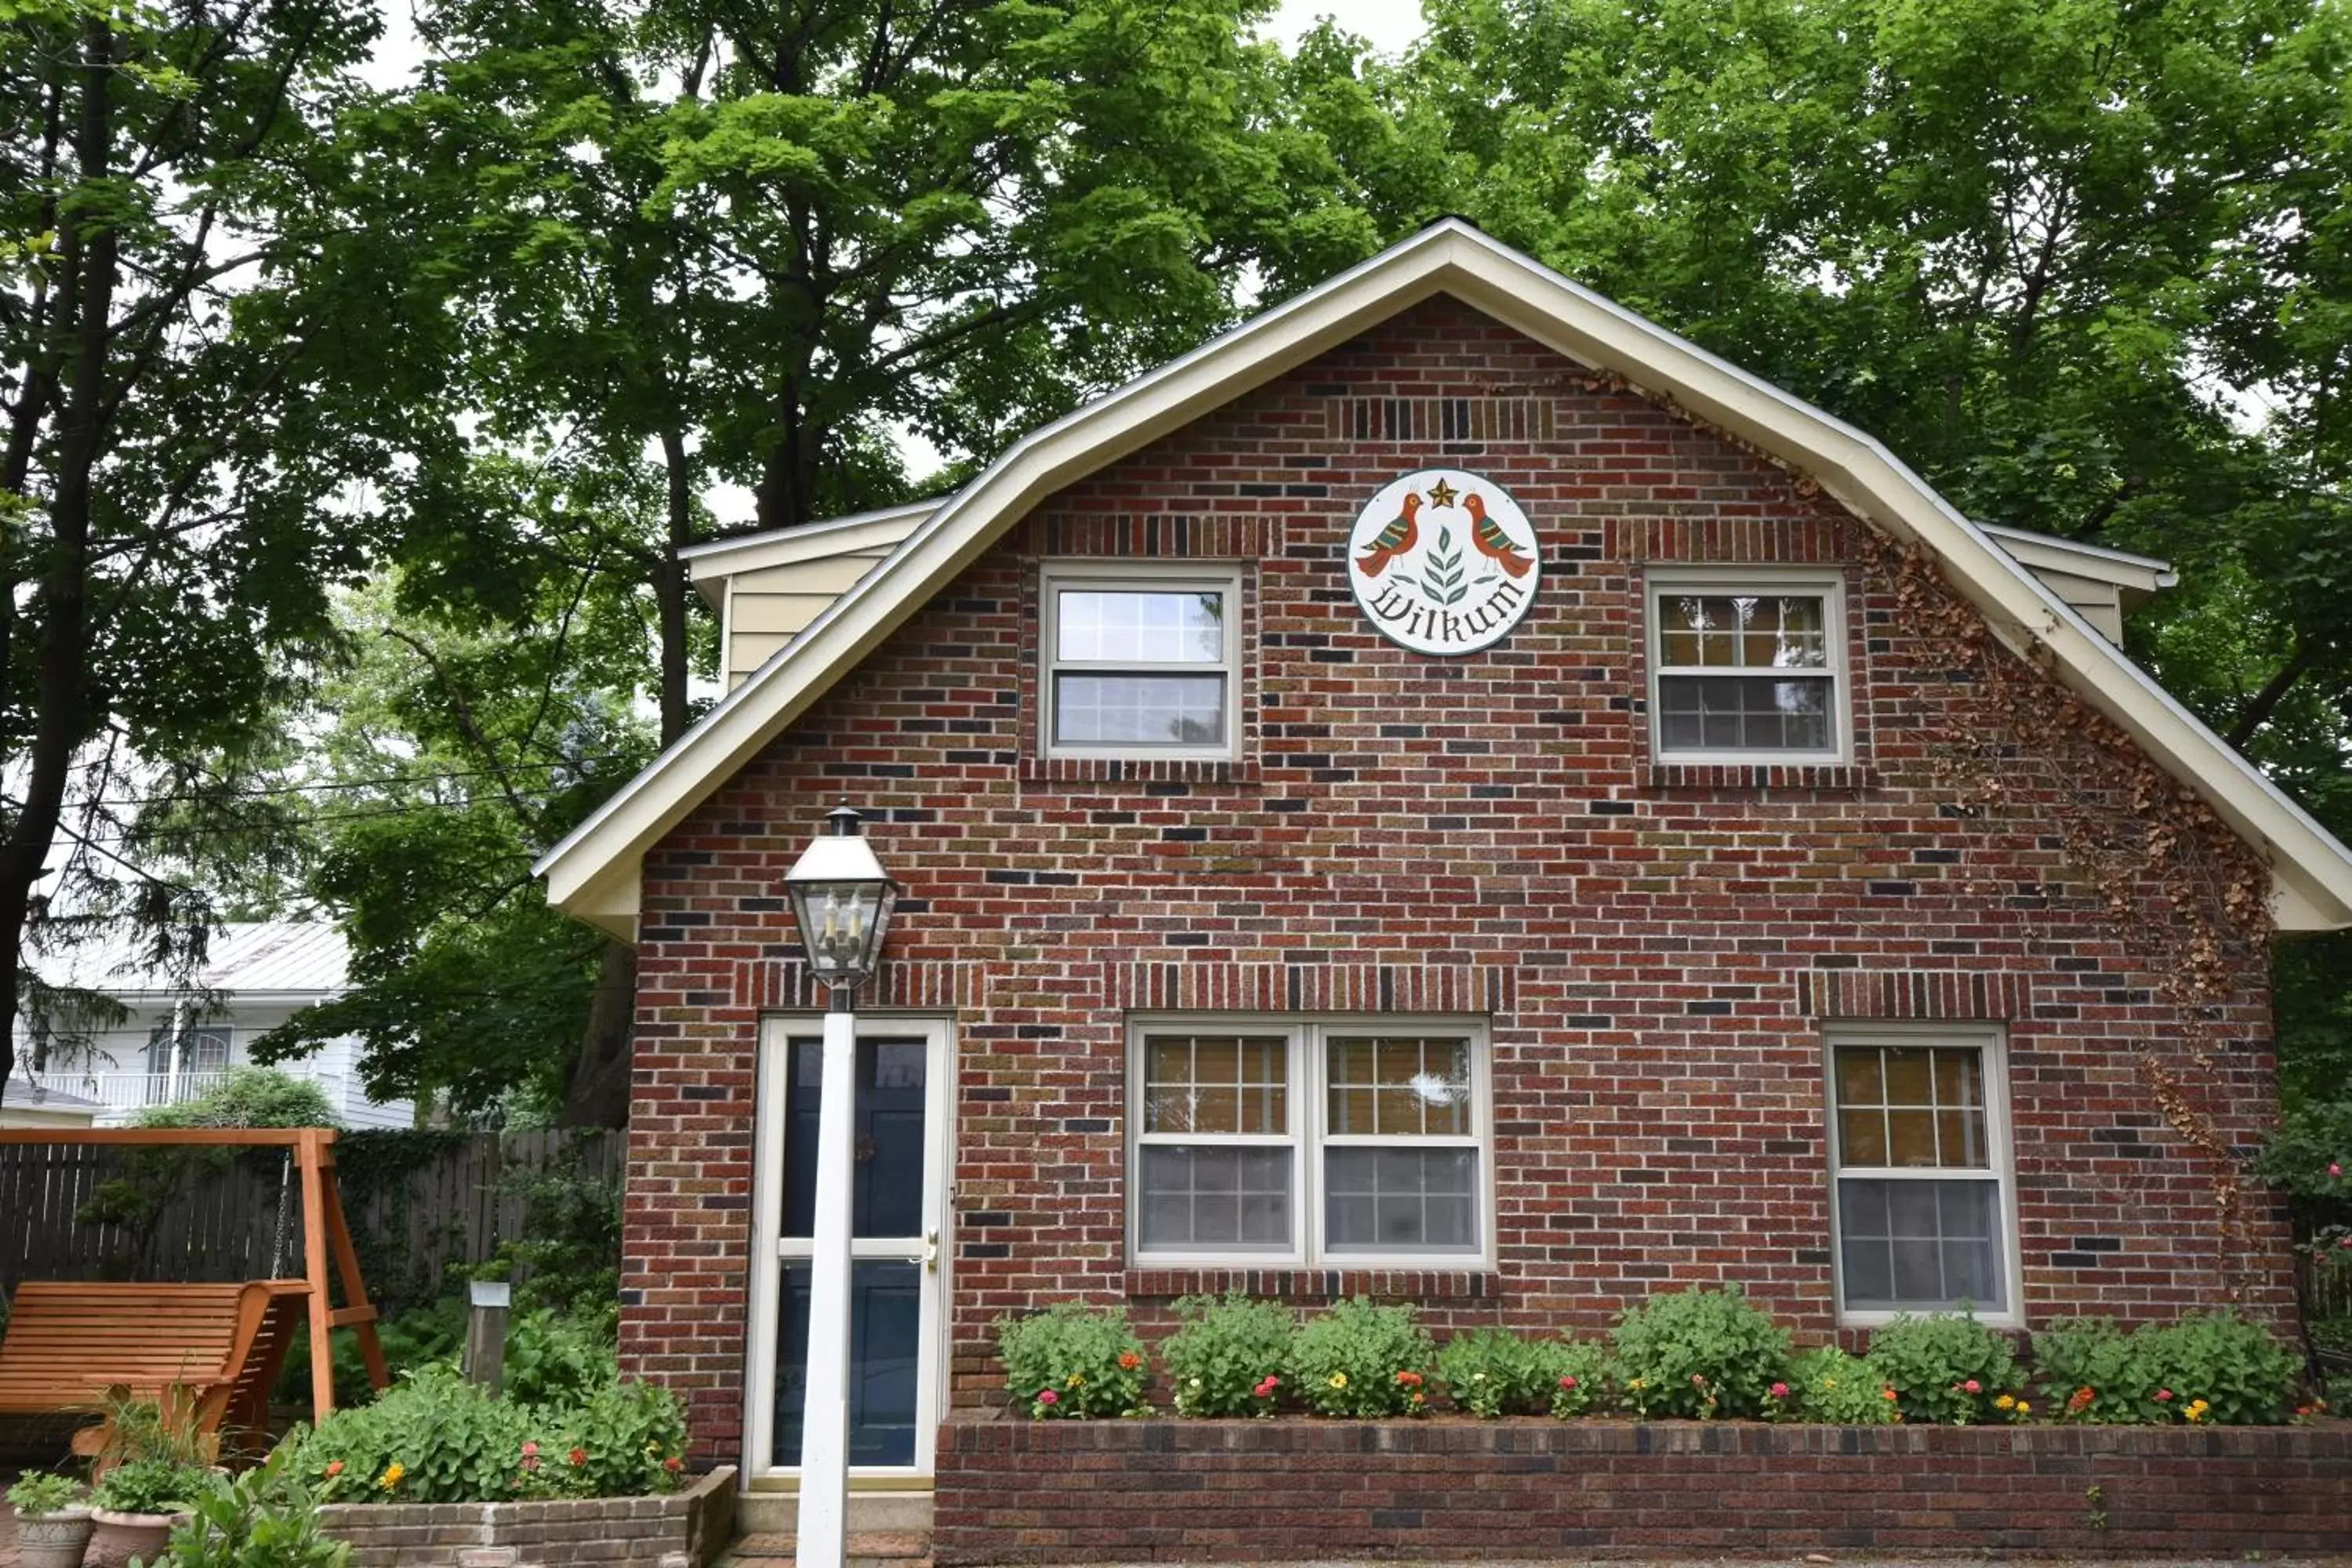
[{"x": 1452, "y": 793}]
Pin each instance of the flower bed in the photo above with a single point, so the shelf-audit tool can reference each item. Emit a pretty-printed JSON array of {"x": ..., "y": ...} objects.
[
  {"x": 684, "y": 1528},
  {"x": 1013, "y": 1489}
]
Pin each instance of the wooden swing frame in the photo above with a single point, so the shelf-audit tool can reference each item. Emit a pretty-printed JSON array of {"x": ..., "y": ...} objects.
[{"x": 326, "y": 1235}]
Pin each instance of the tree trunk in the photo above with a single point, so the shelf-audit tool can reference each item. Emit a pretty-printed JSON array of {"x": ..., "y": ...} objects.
[
  {"x": 670, "y": 588},
  {"x": 599, "y": 1095}
]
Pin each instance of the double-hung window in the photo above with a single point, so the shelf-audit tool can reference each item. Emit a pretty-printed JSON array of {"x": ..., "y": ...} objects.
[
  {"x": 1747, "y": 666},
  {"x": 1327, "y": 1142},
  {"x": 1920, "y": 1149},
  {"x": 1141, "y": 662}
]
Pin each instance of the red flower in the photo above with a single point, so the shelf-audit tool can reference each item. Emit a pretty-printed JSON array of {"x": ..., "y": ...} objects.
[
  {"x": 1568, "y": 1383},
  {"x": 1410, "y": 1379},
  {"x": 673, "y": 1464},
  {"x": 2081, "y": 1400},
  {"x": 1128, "y": 1360},
  {"x": 579, "y": 1455},
  {"x": 334, "y": 1468}
]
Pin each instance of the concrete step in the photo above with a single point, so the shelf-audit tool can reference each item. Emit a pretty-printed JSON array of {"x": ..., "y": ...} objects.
[{"x": 867, "y": 1548}]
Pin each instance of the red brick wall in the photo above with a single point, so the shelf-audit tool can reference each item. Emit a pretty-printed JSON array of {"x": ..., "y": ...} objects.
[
  {"x": 1656, "y": 948},
  {"x": 1110, "y": 1492}
]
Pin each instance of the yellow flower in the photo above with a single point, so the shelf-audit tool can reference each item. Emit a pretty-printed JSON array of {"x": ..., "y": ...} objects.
[
  {"x": 1829, "y": 1383},
  {"x": 1076, "y": 1382},
  {"x": 1639, "y": 1383},
  {"x": 392, "y": 1474},
  {"x": 1339, "y": 1380},
  {"x": 2024, "y": 1408},
  {"x": 2004, "y": 1403}
]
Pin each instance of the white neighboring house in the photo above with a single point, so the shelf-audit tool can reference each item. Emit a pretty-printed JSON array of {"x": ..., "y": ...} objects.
[
  {"x": 179, "y": 1042},
  {"x": 24, "y": 1104}
]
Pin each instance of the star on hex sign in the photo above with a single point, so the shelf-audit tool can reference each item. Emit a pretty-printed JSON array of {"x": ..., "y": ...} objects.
[{"x": 1442, "y": 494}]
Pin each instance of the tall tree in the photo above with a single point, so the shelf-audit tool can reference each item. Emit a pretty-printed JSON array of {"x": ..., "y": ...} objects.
[
  {"x": 692, "y": 245},
  {"x": 174, "y": 437}
]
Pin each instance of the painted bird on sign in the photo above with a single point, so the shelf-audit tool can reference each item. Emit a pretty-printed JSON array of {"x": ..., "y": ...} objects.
[
  {"x": 1492, "y": 541},
  {"x": 1401, "y": 535}
]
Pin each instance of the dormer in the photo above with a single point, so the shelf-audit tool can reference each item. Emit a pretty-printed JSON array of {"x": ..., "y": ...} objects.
[
  {"x": 2103, "y": 585},
  {"x": 767, "y": 586}
]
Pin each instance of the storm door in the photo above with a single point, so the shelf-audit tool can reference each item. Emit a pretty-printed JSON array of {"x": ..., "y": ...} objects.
[{"x": 899, "y": 1203}]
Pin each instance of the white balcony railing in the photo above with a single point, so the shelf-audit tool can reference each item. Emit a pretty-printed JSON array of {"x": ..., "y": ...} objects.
[{"x": 135, "y": 1090}]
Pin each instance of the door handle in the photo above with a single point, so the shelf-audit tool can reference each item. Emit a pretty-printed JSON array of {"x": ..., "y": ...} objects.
[{"x": 930, "y": 1252}]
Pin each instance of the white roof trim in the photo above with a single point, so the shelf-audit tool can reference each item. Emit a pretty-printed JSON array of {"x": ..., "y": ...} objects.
[
  {"x": 593, "y": 872},
  {"x": 912, "y": 511},
  {"x": 709, "y": 566},
  {"x": 2133, "y": 574}
]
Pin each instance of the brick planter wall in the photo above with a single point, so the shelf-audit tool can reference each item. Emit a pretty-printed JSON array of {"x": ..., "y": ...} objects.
[
  {"x": 1248, "y": 1490},
  {"x": 684, "y": 1530}
]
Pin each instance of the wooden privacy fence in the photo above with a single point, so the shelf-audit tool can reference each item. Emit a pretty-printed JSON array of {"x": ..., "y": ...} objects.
[{"x": 418, "y": 1203}]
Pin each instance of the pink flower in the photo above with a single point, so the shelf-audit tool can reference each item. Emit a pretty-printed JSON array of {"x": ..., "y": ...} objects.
[
  {"x": 1780, "y": 1390},
  {"x": 1048, "y": 1396},
  {"x": 2335, "y": 1168},
  {"x": 1568, "y": 1383},
  {"x": 2163, "y": 1395},
  {"x": 1697, "y": 1382},
  {"x": 530, "y": 1450},
  {"x": 1973, "y": 1386}
]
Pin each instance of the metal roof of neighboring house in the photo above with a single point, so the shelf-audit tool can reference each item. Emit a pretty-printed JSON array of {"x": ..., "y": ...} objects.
[
  {"x": 594, "y": 874},
  {"x": 244, "y": 958}
]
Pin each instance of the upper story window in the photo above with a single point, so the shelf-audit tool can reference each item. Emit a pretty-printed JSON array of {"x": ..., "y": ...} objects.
[
  {"x": 1748, "y": 666},
  {"x": 1141, "y": 662},
  {"x": 1326, "y": 1144},
  {"x": 1919, "y": 1147}
]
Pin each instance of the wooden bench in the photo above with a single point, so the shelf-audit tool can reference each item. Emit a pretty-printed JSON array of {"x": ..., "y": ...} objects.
[{"x": 213, "y": 1348}]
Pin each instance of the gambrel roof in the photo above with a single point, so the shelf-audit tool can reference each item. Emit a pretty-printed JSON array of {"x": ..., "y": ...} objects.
[{"x": 593, "y": 872}]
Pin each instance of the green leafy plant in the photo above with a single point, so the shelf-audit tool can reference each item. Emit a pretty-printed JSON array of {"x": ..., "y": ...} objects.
[
  {"x": 1361, "y": 1360},
  {"x": 2089, "y": 1369},
  {"x": 44, "y": 1493},
  {"x": 1579, "y": 1379},
  {"x": 1699, "y": 1353},
  {"x": 152, "y": 1487},
  {"x": 1828, "y": 1385},
  {"x": 142, "y": 1429},
  {"x": 554, "y": 1360},
  {"x": 248, "y": 1097},
  {"x": 1492, "y": 1371},
  {"x": 1229, "y": 1356},
  {"x": 431, "y": 1332},
  {"x": 1073, "y": 1361},
  {"x": 1946, "y": 1368},
  {"x": 265, "y": 1518},
  {"x": 2218, "y": 1368},
  {"x": 625, "y": 1439},
  {"x": 430, "y": 1437}
]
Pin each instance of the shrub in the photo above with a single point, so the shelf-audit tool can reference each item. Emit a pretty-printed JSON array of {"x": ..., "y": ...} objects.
[
  {"x": 264, "y": 1518},
  {"x": 1494, "y": 1372},
  {"x": 630, "y": 1439},
  {"x": 1361, "y": 1360},
  {"x": 2218, "y": 1368},
  {"x": 1826, "y": 1383},
  {"x": 247, "y": 1097},
  {"x": 150, "y": 1487},
  {"x": 138, "y": 1429},
  {"x": 1699, "y": 1354},
  {"x": 1073, "y": 1361},
  {"x": 39, "y": 1493},
  {"x": 1229, "y": 1357},
  {"x": 2089, "y": 1369},
  {"x": 430, "y": 1437},
  {"x": 552, "y": 1360},
  {"x": 429, "y": 1333},
  {"x": 1946, "y": 1369}
]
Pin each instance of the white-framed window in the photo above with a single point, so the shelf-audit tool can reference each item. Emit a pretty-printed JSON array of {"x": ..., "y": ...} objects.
[
  {"x": 1923, "y": 1210},
  {"x": 202, "y": 1048},
  {"x": 1747, "y": 665},
  {"x": 1325, "y": 1142},
  {"x": 1141, "y": 660}
]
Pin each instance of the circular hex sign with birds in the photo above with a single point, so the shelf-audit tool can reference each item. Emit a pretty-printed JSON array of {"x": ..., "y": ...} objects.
[{"x": 1443, "y": 561}]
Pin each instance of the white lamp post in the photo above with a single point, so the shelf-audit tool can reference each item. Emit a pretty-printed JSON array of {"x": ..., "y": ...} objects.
[{"x": 842, "y": 898}]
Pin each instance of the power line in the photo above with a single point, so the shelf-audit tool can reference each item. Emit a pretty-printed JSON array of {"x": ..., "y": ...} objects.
[{"x": 386, "y": 780}]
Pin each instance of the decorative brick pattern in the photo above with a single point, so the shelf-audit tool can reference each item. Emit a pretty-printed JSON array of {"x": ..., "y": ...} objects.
[
  {"x": 688, "y": 1528},
  {"x": 1128, "y": 1492},
  {"x": 1653, "y": 955}
]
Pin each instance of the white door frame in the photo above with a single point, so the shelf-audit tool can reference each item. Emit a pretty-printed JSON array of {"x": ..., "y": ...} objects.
[{"x": 770, "y": 1249}]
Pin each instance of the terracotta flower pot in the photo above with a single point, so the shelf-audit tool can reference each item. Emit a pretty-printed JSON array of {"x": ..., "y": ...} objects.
[
  {"x": 52, "y": 1539},
  {"x": 120, "y": 1537}
]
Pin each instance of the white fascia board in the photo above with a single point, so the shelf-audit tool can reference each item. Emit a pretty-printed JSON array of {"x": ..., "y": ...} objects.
[
  {"x": 709, "y": 567},
  {"x": 2139, "y": 574},
  {"x": 587, "y": 872}
]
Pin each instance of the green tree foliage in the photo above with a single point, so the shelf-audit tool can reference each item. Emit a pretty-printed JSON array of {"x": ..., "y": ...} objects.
[{"x": 174, "y": 422}]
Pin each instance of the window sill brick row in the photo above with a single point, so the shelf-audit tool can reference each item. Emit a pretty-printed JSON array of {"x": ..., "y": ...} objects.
[{"x": 1287, "y": 1284}]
